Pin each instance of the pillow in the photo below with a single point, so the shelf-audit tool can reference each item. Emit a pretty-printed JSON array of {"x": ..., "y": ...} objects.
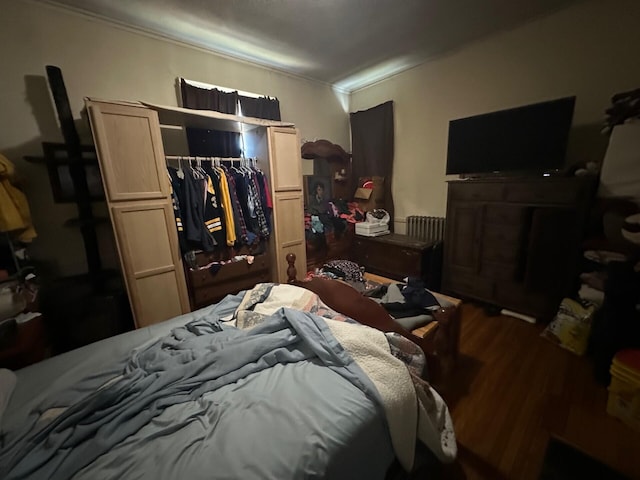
[{"x": 7, "y": 385}]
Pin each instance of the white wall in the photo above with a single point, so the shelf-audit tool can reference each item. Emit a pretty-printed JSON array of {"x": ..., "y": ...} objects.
[
  {"x": 591, "y": 50},
  {"x": 106, "y": 61}
]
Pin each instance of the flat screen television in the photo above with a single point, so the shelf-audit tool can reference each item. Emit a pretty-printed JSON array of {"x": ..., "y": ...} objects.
[{"x": 527, "y": 139}]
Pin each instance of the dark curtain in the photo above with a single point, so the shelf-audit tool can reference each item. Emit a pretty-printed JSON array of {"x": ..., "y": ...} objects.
[
  {"x": 372, "y": 147},
  {"x": 211, "y": 143},
  {"x": 263, "y": 107}
]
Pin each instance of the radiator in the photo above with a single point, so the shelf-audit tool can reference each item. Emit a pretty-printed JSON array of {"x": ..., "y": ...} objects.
[{"x": 428, "y": 229}]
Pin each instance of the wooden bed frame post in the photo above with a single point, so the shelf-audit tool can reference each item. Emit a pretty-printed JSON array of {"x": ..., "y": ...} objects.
[{"x": 292, "y": 273}]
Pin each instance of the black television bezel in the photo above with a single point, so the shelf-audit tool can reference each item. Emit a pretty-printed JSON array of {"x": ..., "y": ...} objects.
[{"x": 515, "y": 171}]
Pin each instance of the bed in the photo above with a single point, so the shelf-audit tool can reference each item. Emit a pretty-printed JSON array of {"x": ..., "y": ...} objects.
[{"x": 269, "y": 383}]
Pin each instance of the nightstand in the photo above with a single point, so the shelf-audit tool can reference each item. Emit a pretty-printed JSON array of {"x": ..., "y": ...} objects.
[{"x": 29, "y": 345}]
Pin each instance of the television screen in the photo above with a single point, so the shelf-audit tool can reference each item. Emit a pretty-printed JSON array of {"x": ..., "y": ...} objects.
[{"x": 532, "y": 138}]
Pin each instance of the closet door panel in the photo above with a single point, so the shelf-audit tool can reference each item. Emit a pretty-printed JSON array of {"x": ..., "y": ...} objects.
[
  {"x": 289, "y": 232},
  {"x": 132, "y": 165},
  {"x": 130, "y": 150},
  {"x": 151, "y": 265},
  {"x": 289, "y": 218},
  {"x": 157, "y": 298},
  {"x": 286, "y": 163},
  {"x": 139, "y": 226}
]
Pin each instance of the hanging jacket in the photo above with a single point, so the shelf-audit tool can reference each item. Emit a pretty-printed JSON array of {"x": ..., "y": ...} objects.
[
  {"x": 238, "y": 216},
  {"x": 246, "y": 204},
  {"x": 254, "y": 193},
  {"x": 14, "y": 209},
  {"x": 265, "y": 197},
  {"x": 227, "y": 207},
  {"x": 193, "y": 213},
  {"x": 213, "y": 212},
  {"x": 177, "y": 198}
]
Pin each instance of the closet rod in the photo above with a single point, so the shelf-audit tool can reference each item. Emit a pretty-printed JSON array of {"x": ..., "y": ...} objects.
[{"x": 208, "y": 159}]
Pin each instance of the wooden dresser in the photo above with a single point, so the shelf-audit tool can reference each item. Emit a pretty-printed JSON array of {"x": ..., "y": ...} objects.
[
  {"x": 207, "y": 285},
  {"x": 394, "y": 255},
  {"x": 515, "y": 243}
]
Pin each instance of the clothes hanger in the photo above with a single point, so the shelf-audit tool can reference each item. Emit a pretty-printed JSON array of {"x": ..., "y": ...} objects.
[{"x": 180, "y": 172}]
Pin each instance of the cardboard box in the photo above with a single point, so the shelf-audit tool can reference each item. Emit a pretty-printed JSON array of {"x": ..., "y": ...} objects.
[
  {"x": 370, "y": 198},
  {"x": 368, "y": 229}
]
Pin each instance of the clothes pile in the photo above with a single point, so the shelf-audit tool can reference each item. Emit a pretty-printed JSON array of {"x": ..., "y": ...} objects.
[{"x": 410, "y": 304}]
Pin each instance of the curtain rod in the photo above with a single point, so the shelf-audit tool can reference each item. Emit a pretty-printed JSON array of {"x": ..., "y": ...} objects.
[{"x": 210, "y": 86}]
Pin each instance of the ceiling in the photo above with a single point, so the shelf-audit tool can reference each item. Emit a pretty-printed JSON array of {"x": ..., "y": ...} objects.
[{"x": 346, "y": 43}]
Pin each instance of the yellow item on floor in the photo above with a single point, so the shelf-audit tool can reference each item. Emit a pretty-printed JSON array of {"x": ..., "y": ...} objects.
[
  {"x": 571, "y": 326},
  {"x": 624, "y": 390},
  {"x": 15, "y": 216}
]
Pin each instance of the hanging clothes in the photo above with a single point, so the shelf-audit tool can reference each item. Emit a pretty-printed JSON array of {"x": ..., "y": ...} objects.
[
  {"x": 193, "y": 213},
  {"x": 227, "y": 207},
  {"x": 177, "y": 199},
  {"x": 218, "y": 207},
  {"x": 213, "y": 210},
  {"x": 254, "y": 194},
  {"x": 238, "y": 217}
]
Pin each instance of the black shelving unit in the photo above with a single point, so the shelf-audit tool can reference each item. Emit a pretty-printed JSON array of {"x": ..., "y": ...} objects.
[{"x": 83, "y": 308}]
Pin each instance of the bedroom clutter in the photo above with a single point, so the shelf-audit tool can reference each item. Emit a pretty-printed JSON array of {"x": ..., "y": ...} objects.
[
  {"x": 370, "y": 193},
  {"x": 571, "y": 326},
  {"x": 624, "y": 390},
  {"x": 375, "y": 224}
]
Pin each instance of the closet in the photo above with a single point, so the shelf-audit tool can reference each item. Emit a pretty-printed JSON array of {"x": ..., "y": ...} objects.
[{"x": 133, "y": 141}]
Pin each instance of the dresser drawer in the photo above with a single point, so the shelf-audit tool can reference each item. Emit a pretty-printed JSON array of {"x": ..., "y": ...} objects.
[
  {"x": 210, "y": 294},
  {"x": 543, "y": 192},
  {"x": 501, "y": 244},
  {"x": 504, "y": 214},
  {"x": 476, "y": 191},
  {"x": 229, "y": 271},
  {"x": 499, "y": 271}
]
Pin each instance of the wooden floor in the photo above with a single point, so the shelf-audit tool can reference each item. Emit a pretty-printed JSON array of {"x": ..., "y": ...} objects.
[{"x": 513, "y": 389}]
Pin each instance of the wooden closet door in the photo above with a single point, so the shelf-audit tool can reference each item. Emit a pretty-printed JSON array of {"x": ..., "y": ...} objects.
[
  {"x": 137, "y": 189},
  {"x": 286, "y": 169},
  {"x": 288, "y": 203}
]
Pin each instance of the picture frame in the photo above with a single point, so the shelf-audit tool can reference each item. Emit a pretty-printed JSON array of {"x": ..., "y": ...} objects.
[{"x": 310, "y": 184}]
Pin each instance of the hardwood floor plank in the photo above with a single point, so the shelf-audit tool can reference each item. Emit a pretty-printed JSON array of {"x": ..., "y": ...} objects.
[{"x": 514, "y": 389}]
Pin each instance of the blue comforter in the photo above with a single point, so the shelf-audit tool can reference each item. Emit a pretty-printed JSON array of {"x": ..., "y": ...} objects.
[{"x": 282, "y": 400}]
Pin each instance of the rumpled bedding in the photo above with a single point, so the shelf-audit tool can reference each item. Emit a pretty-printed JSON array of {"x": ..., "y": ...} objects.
[
  {"x": 399, "y": 362},
  {"x": 290, "y": 393}
]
